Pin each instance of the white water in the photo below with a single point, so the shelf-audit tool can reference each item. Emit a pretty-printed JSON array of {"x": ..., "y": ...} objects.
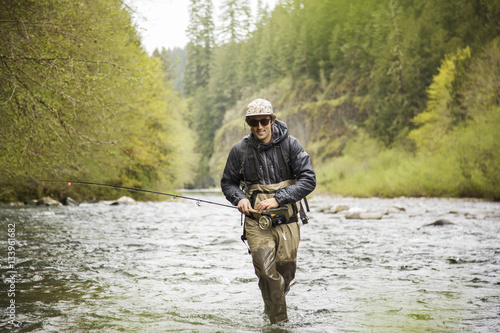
[{"x": 174, "y": 266}]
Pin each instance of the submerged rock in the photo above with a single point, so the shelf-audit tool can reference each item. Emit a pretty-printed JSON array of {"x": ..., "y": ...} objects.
[
  {"x": 340, "y": 208},
  {"x": 395, "y": 209},
  {"x": 363, "y": 216},
  {"x": 331, "y": 210},
  {"x": 326, "y": 209},
  {"x": 439, "y": 223}
]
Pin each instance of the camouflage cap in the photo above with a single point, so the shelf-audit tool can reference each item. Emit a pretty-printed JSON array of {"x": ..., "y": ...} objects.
[{"x": 259, "y": 107}]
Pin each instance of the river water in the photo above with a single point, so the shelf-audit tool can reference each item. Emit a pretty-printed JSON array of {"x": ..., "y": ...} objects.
[{"x": 175, "y": 266}]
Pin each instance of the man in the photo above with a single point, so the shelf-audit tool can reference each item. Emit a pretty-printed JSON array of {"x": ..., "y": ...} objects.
[{"x": 274, "y": 171}]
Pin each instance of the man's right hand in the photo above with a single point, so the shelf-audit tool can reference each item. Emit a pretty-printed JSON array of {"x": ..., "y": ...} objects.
[{"x": 244, "y": 206}]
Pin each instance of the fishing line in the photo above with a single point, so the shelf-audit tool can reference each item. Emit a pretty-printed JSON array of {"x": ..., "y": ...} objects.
[{"x": 198, "y": 201}]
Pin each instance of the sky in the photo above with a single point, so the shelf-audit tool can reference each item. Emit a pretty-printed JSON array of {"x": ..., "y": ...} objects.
[{"x": 163, "y": 23}]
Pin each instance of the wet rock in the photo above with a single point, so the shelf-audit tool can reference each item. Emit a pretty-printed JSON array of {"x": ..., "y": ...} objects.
[
  {"x": 69, "y": 202},
  {"x": 124, "y": 201},
  {"x": 16, "y": 203},
  {"x": 48, "y": 201},
  {"x": 363, "y": 216},
  {"x": 395, "y": 209},
  {"x": 439, "y": 223},
  {"x": 324, "y": 209},
  {"x": 352, "y": 215},
  {"x": 371, "y": 215},
  {"x": 340, "y": 208},
  {"x": 495, "y": 214},
  {"x": 33, "y": 202}
]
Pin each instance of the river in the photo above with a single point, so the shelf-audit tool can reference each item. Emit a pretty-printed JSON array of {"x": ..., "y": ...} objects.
[{"x": 176, "y": 266}]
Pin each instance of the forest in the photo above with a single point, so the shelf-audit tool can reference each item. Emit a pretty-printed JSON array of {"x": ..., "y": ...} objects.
[
  {"x": 80, "y": 99},
  {"x": 390, "y": 98}
]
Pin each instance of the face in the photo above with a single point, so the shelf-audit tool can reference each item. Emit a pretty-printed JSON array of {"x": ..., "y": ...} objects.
[{"x": 260, "y": 132}]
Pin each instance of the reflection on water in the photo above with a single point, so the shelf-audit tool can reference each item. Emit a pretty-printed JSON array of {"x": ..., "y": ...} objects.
[{"x": 174, "y": 266}]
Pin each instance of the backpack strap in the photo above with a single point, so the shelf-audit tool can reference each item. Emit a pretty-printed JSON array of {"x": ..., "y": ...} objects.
[
  {"x": 281, "y": 161},
  {"x": 252, "y": 162},
  {"x": 303, "y": 216}
]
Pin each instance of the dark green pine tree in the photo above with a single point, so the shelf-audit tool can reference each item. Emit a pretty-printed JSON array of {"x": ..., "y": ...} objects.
[
  {"x": 236, "y": 21},
  {"x": 201, "y": 43}
]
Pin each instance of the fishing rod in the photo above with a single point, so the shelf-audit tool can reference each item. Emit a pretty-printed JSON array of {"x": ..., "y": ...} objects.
[{"x": 198, "y": 201}]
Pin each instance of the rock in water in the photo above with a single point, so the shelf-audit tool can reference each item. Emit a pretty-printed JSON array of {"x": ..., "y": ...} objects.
[
  {"x": 439, "y": 223},
  {"x": 48, "y": 201},
  {"x": 69, "y": 202},
  {"x": 124, "y": 201},
  {"x": 363, "y": 216},
  {"x": 395, "y": 209},
  {"x": 371, "y": 216},
  {"x": 340, "y": 208}
]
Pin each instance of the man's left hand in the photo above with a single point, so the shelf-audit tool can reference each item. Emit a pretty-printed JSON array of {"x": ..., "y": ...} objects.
[{"x": 267, "y": 204}]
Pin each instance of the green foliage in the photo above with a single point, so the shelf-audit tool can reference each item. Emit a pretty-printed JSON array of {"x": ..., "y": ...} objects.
[
  {"x": 81, "y": 99},
  {"x": 174, "y": 66},
  {"x": 457, "y": 159},
  {"x": 377, "y": 91},
  {"x": 437, "y": 119}
]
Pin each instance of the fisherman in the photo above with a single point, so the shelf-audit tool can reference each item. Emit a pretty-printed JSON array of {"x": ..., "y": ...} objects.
[{"x": 274, "y": 171}]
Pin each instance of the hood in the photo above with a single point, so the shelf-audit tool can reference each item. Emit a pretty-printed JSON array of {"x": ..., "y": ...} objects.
[{"x": 280, "y": 133}]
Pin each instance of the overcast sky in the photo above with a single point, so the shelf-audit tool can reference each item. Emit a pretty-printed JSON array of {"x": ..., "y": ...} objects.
[{"x": 163, "y": 23}]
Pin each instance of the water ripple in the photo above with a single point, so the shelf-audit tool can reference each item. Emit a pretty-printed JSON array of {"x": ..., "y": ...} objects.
[{"x": 174, "y": 266}]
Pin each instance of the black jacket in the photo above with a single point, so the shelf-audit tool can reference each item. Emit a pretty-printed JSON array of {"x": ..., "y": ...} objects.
[{"x": 237, "y": 170}]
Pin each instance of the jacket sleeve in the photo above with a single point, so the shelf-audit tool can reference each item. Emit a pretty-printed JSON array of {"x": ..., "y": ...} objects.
[
  {"x": 231, "y": 177},
  {"x": 303, "y": 170}
]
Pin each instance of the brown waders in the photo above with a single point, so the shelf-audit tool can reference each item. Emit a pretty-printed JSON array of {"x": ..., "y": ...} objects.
[{"x": 274, "y": 256}]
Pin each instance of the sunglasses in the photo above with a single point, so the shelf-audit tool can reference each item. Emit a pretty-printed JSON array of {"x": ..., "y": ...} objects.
[{"x": 255, "y": 122}]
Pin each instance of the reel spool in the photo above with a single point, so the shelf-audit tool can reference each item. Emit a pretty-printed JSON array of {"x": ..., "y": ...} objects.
[{"x": 265, "y": 222}]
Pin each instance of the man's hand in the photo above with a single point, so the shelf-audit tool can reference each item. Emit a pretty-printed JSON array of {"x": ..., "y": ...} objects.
[
  {"x": 267, "y": 204},
  {"x": 244, "y": 206}
]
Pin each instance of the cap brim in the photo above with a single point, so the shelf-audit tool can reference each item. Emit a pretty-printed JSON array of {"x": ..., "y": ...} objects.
[{"x": 259, "y": 114}]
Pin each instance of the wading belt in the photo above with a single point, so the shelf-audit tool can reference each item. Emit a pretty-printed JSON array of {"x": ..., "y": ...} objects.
[{"x": 293, "y": 217}]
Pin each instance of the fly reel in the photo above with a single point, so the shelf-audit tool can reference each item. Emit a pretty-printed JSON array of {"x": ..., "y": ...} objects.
[
  {"x": 272, "y": 217},
  {"x": 265, "y": 222}
]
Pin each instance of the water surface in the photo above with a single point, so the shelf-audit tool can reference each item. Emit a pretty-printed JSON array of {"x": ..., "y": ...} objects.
[{"x": 175, "y": 266}]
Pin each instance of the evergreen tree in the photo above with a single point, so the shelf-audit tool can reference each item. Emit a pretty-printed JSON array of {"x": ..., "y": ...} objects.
[
  {"x": 236, "y": 21},
  {"x": 174, "y": 64},
  {"x": 201, "y": 43}
]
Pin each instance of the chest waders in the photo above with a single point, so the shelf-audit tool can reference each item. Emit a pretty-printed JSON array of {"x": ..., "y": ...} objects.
[
  {"x": 273, "y": 249},
  {"x": 257, "y": 193}
]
